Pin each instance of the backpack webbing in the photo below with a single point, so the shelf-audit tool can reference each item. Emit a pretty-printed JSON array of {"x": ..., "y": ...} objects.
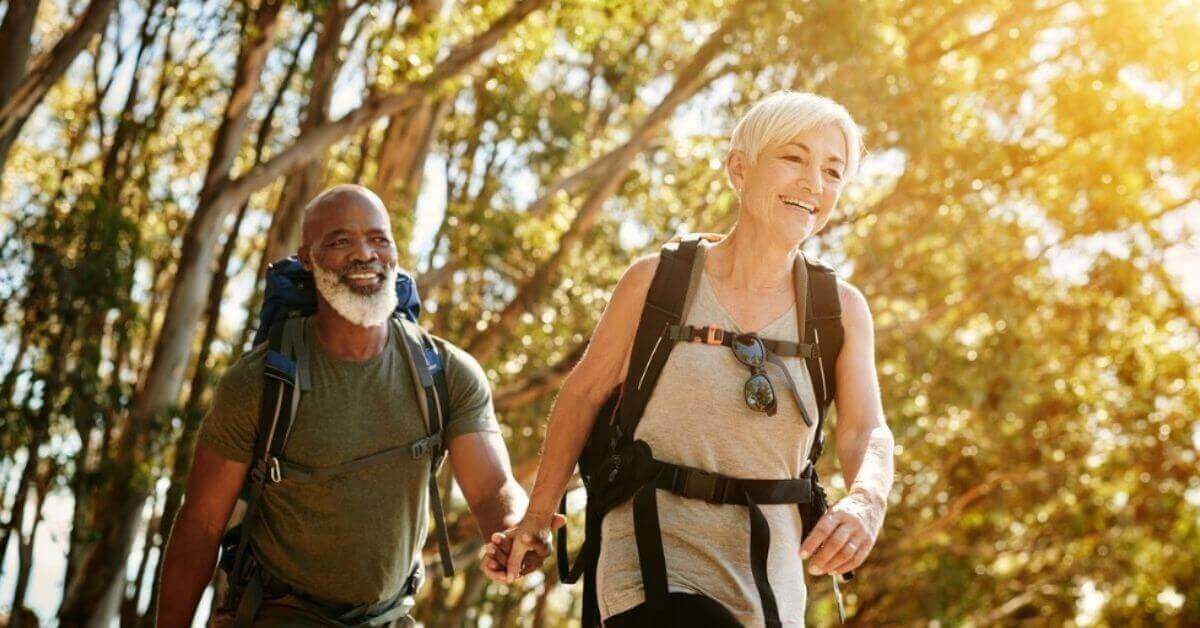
[
  {"x": 664, "y": 307},
  {"x": 283, "y": 364},
  {"x": 666, "y": 304}
]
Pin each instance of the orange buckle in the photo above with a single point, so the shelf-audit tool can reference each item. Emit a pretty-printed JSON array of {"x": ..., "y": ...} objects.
[{"x": 713, "y": 335}]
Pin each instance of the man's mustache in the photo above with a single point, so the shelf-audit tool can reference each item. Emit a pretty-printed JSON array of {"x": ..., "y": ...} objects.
[{"x": 363, "y": 268}]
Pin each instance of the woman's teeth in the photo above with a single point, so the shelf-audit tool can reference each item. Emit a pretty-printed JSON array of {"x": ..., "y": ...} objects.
[{"x": 799, "y": 204}]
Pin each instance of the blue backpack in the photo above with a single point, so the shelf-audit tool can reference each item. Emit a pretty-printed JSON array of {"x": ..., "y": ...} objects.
[{"x": 290, "y": 297}]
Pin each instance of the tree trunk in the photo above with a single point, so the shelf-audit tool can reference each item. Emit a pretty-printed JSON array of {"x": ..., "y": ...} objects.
[
  {"x": 193, "y": 411},
  {"x": 402, "y": 155},
  {"x": 305, "y": 181},
  {"x": 129, "y": 604},
  {"x": 472, "y": 590},
  {"x": 688, "y": 80},
  {"x": 15, "y": 44},
  {"x": 26, "y": 543},
  {"x": 16, "y": 517},
  {"x": 10, "y": 378},
  {"x": 101, "y": 568},
  {"x": 45, "y": 70}
]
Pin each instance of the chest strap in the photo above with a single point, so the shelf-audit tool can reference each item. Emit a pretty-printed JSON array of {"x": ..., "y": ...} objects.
[
  {"x": 713, "y": 335},
  {"x": 420, "y": 448},
  {"x": 714, "y": 489}
]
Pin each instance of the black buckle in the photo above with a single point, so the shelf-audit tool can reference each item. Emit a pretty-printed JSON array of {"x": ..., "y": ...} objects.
[{"x": 703, "y": 485}]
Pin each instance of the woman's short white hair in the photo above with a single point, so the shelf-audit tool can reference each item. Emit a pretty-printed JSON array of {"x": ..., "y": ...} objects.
[{"x": 780, "y": 117}]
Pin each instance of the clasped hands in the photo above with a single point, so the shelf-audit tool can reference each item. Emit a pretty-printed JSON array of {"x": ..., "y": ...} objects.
[
  {"x": 839, "y": 543},
  {"x": 511, "y": 554}
]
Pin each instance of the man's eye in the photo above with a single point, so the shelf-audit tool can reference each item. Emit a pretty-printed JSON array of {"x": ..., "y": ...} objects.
[
  {"x": 340, "y": 242},
  {"x": 835, "y": 174}
]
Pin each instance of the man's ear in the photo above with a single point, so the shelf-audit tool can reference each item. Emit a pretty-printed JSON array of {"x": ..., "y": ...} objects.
[{"x": 305, "y": 255}]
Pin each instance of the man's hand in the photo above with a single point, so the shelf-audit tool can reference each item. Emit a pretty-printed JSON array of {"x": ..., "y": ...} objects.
[
  {"x": 526, "y": 540},
  {"x": 843, "y": 537}
]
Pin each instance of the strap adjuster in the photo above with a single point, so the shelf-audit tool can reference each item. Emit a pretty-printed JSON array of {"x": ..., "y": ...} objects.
[
  {"x": 426, "y": 446},
  {"x": 712, "y": 335},
  {"x": 702, "y": 485},
  {"x": 273, "y": 471}
]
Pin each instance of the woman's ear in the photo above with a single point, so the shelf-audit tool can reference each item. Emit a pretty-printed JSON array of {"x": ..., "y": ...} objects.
[{"x": 735, "y": 169}]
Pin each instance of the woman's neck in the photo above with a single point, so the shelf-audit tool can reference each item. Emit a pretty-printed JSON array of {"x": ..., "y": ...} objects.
[{"x": 752, "y": 260}]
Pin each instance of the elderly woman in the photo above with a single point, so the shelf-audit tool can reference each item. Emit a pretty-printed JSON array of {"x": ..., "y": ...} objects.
[{"x": 724, "y": 426}]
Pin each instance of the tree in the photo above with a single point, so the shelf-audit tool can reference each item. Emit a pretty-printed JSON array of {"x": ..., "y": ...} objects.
[{"x": 1017, "y": 229}]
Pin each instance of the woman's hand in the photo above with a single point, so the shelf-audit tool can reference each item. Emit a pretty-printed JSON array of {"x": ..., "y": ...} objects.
[
  {"x": 529, "y": 540},
  {"x": 844, "y": 536}
]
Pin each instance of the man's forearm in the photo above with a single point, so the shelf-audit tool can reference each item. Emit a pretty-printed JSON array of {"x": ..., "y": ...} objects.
[
  {"x": 502, "y": 511},
  {"x": 188, "y": 564}
]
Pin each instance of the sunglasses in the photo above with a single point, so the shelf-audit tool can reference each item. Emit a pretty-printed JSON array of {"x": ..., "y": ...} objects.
[{"x": 758, "y": 391}]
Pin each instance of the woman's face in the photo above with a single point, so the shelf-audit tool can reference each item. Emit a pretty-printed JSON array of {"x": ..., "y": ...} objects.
[{"x": 792, "y": 188}]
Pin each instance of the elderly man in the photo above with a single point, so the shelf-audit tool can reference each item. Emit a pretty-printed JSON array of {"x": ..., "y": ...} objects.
[{"x": 345, "y": 546}]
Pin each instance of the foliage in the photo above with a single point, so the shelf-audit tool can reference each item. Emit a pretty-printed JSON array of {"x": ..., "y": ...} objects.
[{"x": 1032, "y": 172}]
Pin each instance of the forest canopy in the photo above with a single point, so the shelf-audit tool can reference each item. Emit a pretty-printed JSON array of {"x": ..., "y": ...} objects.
[{"x": 1023, "y": 228}]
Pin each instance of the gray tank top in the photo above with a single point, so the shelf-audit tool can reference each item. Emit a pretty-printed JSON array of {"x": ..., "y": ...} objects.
[{"x": 697, "y": 417}]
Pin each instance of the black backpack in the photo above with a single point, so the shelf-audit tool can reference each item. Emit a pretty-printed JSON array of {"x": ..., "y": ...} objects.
[{"x": 615, "y": 468}]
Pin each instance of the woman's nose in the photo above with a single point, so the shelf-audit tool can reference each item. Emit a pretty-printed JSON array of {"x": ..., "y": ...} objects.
[{"x": 810, "y": 181}]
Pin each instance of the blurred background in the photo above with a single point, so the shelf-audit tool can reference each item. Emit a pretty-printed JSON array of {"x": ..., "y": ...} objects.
[{"x": 1025, "y": 230}]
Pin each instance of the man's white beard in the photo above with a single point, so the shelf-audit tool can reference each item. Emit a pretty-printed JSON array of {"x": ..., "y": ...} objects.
[{"x": 364, "y": 310}]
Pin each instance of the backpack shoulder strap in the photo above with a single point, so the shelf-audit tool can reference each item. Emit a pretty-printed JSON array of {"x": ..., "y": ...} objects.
[
  {"x": 280, "y": 399},
  {"x": 429, "y": 379},
  {"x": 679, "y": 266},
  {"x": 824, "y": 322},
  {"x": 284, "y": 372}
]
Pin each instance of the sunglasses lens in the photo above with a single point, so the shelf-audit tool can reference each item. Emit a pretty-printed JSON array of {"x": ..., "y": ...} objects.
[
  {"x": 748, "y": 350},
  {"x": 760, "y": 394}
]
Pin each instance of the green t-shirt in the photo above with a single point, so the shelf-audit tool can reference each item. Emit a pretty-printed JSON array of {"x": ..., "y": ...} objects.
[{"x": 354, "y": 538}]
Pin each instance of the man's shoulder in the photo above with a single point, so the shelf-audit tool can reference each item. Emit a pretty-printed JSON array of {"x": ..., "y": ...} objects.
[
  {"x": 246, "y": 372},
  {"x": 459, "y": 363}
]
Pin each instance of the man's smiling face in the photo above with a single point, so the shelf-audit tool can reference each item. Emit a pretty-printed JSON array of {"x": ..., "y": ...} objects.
[{"x": 348, "y": 245}]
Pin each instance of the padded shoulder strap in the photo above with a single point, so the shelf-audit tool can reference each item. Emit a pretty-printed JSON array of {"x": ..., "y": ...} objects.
[
  {"x": 413, "y": 343},
  {"x": 824, "y": 309},
  {"x": 429, "y": 377},
  {"x": 665, "y": 302},
  {"x": 280, "y": 397}
]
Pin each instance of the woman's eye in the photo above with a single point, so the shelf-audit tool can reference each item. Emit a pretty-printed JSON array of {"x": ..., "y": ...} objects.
[
  {"x": 835, "y": 174},
  {"x": 795, "y": 158}
]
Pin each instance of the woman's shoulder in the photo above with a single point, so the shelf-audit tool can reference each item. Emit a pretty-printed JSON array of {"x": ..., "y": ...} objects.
[{"x": 855, "y": 311}]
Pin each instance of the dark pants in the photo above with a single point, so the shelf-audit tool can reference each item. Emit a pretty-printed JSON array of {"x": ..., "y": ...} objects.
[{"x": 687, "y": 609}]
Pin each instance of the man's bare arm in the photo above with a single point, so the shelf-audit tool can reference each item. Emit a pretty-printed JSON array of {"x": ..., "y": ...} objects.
[
  {"x": 191, "y": 554},
  {"x": 482, "y": 469}
]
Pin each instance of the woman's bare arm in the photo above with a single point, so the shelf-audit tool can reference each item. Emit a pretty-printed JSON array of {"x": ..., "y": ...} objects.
[{"x": 601, "y": 369}]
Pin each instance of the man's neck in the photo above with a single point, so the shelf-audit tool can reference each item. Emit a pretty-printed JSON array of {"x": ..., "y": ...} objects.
[{"x": 344, "y": 340}]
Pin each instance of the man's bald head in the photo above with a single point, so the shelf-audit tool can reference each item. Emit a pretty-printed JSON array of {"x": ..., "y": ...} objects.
[{"x": 326, "y": 205}]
